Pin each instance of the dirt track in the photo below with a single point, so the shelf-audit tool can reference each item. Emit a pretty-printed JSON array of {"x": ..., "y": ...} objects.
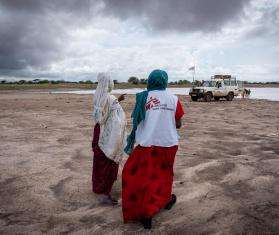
[{"x": 226, "y": 170}]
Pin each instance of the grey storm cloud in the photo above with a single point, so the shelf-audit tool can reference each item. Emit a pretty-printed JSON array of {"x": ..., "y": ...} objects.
[
  {"x": 179, "y": 15},
  {"x": 268, "y": 24},
  {"x": 34, "y": 33}
]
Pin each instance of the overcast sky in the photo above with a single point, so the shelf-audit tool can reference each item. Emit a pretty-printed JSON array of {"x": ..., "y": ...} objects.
[{"x": 76, "y": 39}]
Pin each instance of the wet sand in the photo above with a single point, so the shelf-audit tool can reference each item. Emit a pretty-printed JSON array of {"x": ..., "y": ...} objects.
[{"x": 226, "y": 169}]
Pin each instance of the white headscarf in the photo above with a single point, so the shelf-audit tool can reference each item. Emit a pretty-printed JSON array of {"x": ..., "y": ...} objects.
[{"x": 102, "y": 97}]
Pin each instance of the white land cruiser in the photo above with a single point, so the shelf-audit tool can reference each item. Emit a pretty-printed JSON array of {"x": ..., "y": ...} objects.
[{"x": 220, "y": 86}]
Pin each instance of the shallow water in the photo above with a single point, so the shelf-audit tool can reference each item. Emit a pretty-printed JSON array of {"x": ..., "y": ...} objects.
[
  {"x": 256, "y": 93},
  {"x": 265, "y": 93}
]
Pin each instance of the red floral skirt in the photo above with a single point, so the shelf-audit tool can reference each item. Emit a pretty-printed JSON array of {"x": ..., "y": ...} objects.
[{"x": 147, "y": 180}]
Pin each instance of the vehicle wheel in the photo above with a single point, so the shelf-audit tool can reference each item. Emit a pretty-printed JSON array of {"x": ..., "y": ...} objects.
[
  {"x": 230, "y": 96},
  {"x": 194, "y": 98},
  {"x": 207, "y": 97},
  {"x": 216, "y": 98}
]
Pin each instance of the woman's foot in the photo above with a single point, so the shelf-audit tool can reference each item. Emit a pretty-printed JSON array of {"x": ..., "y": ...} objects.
[
  {"x": 146, "y": 222},
  {"x": 108, "y": 200},
  {"x": 113, "y": 200},
  {"x": 171, "y": 202}
]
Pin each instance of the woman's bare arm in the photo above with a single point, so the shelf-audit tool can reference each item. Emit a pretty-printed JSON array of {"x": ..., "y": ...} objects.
[{"x": 178, "y": 124}]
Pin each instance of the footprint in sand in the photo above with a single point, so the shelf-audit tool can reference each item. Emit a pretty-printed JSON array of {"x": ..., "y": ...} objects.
[
  {"x": 214, "y": 173},
  {"x": 65, "y": 140},
  {"x": 58, "y": 189}
]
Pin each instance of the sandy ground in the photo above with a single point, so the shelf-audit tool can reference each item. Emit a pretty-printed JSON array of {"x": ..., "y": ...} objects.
[{"x": 226, "y": 169}]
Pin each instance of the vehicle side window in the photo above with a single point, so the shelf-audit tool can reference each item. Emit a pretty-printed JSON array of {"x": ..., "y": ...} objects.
[
  {"x": 226, "y": 82},
  {"x": 233, "y": 83}
]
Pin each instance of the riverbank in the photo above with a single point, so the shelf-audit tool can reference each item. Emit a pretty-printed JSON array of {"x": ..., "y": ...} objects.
[
  {"x": 75, "y": 86},
  {"x": 70, "y": 86},
  {"x": 226, "y": 169}
]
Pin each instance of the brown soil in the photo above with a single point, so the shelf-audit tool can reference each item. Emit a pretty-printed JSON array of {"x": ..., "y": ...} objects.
[{"x": 226, "y": 169}]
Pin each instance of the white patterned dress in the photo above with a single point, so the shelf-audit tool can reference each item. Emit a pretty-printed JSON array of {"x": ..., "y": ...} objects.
[{"x": 112, "y": 138}]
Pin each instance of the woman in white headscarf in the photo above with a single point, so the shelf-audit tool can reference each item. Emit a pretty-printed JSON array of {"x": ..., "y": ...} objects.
[{"x": 108, "y": 138}]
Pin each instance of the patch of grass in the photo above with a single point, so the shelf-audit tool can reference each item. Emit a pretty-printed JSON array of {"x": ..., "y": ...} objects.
[{"x": 46, "y": 86}]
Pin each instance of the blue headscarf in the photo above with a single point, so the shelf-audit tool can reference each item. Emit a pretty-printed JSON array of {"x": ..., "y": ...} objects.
[{"x": 157, "y": 80}]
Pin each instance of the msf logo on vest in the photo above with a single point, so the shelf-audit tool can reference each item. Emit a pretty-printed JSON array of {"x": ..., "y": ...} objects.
[{"x": 152, "y": 102}]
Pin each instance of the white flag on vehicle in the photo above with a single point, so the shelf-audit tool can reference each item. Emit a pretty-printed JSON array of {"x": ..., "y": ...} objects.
[{"x": 191, "y": 68}]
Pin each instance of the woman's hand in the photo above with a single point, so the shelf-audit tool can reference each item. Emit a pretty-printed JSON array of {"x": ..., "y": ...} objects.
[{"x": 121, "y": 97}]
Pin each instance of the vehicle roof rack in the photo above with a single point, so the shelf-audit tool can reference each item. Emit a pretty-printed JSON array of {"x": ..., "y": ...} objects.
[{"x": 220, "y": 76}]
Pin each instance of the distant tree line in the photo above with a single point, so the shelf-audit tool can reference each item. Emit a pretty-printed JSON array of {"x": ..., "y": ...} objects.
[
  {"x": 260, "y": 83},
  {"x": 45, "y": 81},
  {"x": 132, "y": 80},
  {"x": 180, "y": 82},
  {"x": 135, "y": 81}
]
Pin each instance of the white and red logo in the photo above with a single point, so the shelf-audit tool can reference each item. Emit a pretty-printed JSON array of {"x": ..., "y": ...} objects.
[{"x": 151, "y": 103}]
